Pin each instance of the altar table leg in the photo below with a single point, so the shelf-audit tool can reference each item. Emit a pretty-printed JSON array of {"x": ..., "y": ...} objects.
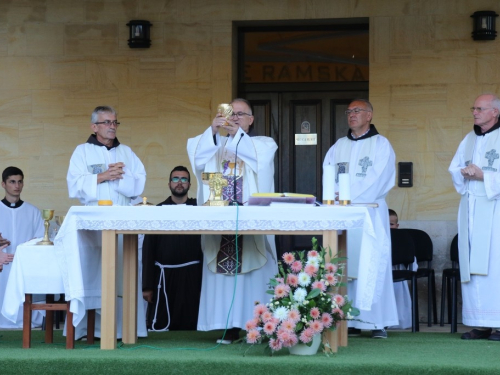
[
  {"x": 28, "y": 299},
  {"x": 342, "y": 329},
  {"x": 108, "y": 285},
  {"x": 330, "y": 337},
  {"x": 129, "y": 289}
]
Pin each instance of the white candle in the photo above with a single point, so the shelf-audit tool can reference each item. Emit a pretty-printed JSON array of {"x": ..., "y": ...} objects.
[
  {"x": 329, "y": 183},
  {"x": 344, "y": 187}
]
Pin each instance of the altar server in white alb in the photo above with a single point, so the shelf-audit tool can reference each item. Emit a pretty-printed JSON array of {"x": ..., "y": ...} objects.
[
  {"x": 104, "y": 169},
  {"x": 369, "y": 160},
  {"x": 254, "y": 171},
  {"x": 19, "y": 222},
  {"x": 475, "y": 171}
]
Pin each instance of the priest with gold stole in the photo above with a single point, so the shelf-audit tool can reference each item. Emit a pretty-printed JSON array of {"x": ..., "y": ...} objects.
[{"x": 248, "y": 165}]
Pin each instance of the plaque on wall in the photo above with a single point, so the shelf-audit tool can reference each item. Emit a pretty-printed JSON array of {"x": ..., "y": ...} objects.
[{"x": 306, "y": 139}]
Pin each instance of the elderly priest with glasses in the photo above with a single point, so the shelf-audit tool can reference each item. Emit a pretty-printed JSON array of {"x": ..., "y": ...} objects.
[
  {"x": 247, "y": 163},
  {"x": 475, "y": 171},
  {"x": 104, "y": 169}
]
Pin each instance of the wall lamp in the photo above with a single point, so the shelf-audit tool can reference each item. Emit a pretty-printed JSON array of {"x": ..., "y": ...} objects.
[
  {"x": 139, "y": 34},
  {"x": 484, "y": 25}
]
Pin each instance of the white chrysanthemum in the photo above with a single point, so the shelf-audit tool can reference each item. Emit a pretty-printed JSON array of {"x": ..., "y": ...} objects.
[
  {"x": 300, "y": 295},
  {"x": 281, "y": 313},
  {"x": 313, "y": 261},
  {"x": 304, "y": 279}
]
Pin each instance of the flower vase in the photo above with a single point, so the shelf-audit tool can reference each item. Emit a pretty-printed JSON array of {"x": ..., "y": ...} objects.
[{"x": 303, "y": 349}]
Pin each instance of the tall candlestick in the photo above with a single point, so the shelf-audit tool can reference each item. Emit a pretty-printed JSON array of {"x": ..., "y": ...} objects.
[
  {"x": 344, "y": 189},
  {"x": 328, "y": 184}
]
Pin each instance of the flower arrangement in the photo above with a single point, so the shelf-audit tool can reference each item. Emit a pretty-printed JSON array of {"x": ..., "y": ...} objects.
[{"x": 304, "y": 302}]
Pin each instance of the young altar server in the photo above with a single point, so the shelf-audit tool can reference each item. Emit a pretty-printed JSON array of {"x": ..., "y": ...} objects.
[{"x": 19, "y": 222}]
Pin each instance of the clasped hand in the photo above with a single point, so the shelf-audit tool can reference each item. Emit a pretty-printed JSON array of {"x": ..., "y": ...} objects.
[
  {"x": 221, "y": 122},
  {"x": 472, "y": 172}
]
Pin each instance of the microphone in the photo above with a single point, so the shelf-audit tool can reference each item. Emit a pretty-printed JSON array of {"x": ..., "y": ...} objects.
[{"x": 234, "y": 201}]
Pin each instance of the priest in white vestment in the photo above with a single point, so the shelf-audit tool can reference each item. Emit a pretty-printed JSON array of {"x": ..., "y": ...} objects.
[
  {"x": 369, "y": 160},
  {"x": 475, "y": 171},
  {"x": 19, "y": 222},
  {"x": 104, "y": 169},
  {"x": 251, "y": 160}
]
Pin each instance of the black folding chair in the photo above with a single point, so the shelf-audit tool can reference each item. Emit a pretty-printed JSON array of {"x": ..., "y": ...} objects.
[
  {"x": 403, "y": 252},
  {"x": 451, "y": 277},
  {"x": 424, "y": 253}
]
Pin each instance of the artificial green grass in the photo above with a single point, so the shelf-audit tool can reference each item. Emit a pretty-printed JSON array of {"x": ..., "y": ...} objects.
[{"x": 401, "y": 353}]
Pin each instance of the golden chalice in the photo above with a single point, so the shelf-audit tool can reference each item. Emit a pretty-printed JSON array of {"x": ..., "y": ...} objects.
[
  {"x": 60, "y": 219},
  {"x": 47, "y": 216},
  {"x": 225, "y": 110}
]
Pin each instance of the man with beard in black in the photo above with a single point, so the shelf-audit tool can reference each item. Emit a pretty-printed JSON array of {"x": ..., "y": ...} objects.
[{"x": 172, "y": 268}]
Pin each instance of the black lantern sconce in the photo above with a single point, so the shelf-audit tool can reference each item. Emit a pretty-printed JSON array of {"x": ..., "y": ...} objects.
[
  {"x": 139, "y": 34},
  {"x": 484, "y": 25}
]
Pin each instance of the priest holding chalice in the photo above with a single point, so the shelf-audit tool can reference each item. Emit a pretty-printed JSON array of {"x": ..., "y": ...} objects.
[{"x": 247, "y": 163}]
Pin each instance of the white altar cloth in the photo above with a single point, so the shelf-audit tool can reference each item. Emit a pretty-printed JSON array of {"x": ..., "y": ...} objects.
[
  {"x": 80, "y": 263},
  {"x": 35, "y": 270}
]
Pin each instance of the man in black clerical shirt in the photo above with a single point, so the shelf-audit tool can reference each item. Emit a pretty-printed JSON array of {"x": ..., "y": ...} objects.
[{"x": 172, "y": 268}]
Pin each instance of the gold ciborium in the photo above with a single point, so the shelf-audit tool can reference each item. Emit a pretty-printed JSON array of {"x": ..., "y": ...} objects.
[
  {"x": 47, "y": 215},
  {"x": 216, "y": 183}
]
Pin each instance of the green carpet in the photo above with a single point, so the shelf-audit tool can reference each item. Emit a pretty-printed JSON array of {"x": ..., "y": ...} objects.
[{"x": 401, "y": 353}]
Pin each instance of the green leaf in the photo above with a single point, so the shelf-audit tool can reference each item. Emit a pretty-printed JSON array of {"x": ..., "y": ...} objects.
[{"x": 313, "y": 293}]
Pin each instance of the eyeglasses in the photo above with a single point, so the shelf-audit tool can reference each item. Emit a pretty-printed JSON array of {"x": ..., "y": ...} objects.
[
  {"x": 240, "y": 114},
  {"x": 108, "y": 123},
  {"x": 355, "y": 110},
  {"x": 176, "y": 180},
  {"x": 478, "y": 109}
]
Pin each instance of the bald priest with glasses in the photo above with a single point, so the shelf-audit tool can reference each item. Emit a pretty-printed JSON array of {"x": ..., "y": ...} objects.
[{"x": 247, "y": 163}]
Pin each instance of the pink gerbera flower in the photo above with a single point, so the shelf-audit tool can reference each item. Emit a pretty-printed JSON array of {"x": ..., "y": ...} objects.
[
  {"x": 266, "y": 316},
  {"x": 296, "y": 266},
  {"x": 311, "y": 269},
  {"x": 331, "y": 278},
  {"x": 283, "y": 334},
  {"x": 259, "y": 310},
  {"x": 281, "y": 291},
  {"x": 312, "y": 254},
  {"x": 330, "y": 267},
  {"x": 319, "y": 285},
  {"x": 253, "y": 336},
  {"x": 307, "y": 335},
  {"x": 314, "y": 313},
  {"x": 316, "y": 326},
  {"x": 291, "y": 341},
  {"x": 288, "y": 325},
  {"x": 339, "y": 300},
  {"x": 338, "y": 311},
  {"x": 275, "y": 345},
  {"x": 288, "y": 258},
  {"x": 327, "y": 320},
  {"x": 269, "y": 328},
  {"x": 292, "y": 279},
  {"x": 294, "y": 315},
  {"x": 251, "y": 324}
]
